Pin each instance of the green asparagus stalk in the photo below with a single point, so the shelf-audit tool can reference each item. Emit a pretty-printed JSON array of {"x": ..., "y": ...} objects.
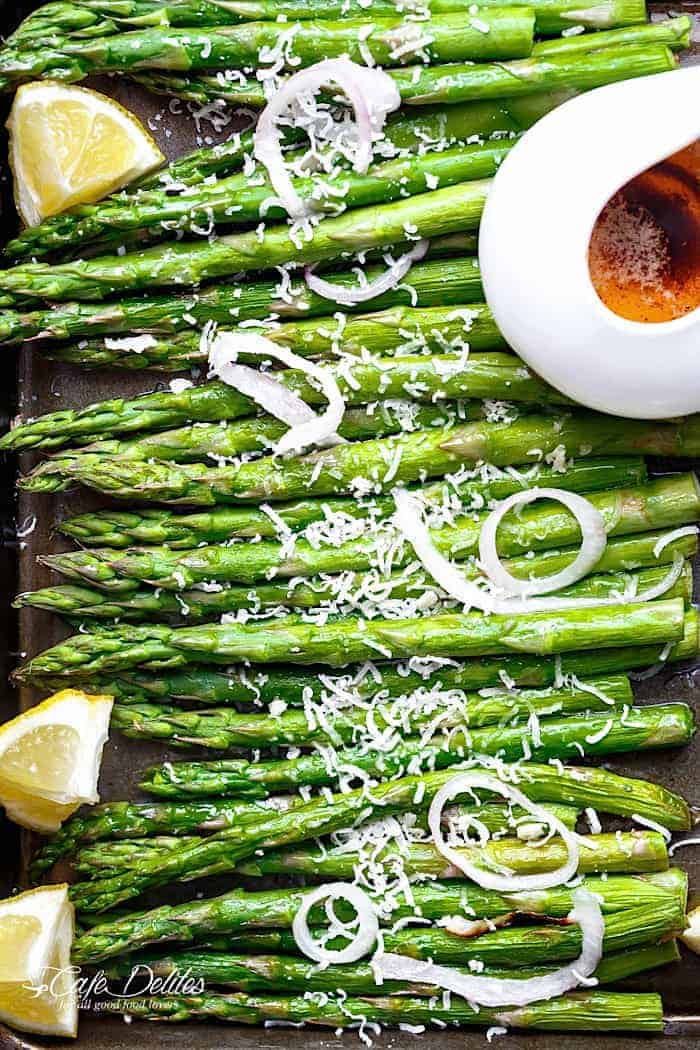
[
  {"x": 432, "y": 283},
  {"x": 662, "y": 503},
  {"x": 409, "y": 590},
  {"x": 596, "y": 787},
  {"x": 223, "y": 728},
  {"x": 267, "y": 974},
  {"x": 124, "y": 528},
  {"x": 208, "y": 685},
  {"x": 389, "y": 41},
  {"x": 443, "y": 125},
  {"x": 166, "y": 824},
  {"x": 586, "y": 1011},
  {"x": 572, "y": 71},
  {"x": 376, "y": 466},
  {"x": 126, "y": 820},
  {"x": 674, "y": 32},
  {"x": 432, "y": 214},
  {"x": 510, "y": 946},
  {"x": 125, "y": 853},
  {"x": 316, "y": 818},
  {"x": 52, "y": 22},
  {"x": 60, "y": 18},
  {"x": 621, "y": 852},
  {"x": 584, "y": 733},
  {"x": 195, "y": 921},
  {"x": 238, "y": 200},
  {"x": 291, "y": 640},
  {"x": 399, "y": 330}
]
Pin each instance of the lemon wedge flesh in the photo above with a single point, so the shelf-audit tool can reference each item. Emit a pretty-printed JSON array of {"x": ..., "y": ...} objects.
[
  {"x": 38, "y": 991},
  {"x": 50, "y": 758},
  {"x": 70, "y": 145}
]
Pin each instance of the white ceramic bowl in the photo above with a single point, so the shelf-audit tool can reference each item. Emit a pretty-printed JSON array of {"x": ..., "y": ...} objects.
[{"x": 534, "y": 238}]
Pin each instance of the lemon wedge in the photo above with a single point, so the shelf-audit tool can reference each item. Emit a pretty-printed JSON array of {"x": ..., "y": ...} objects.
[
  {"x": 50, "y": 758},
  {"x": 691, "y": 935},
  {"x": 70, "y": 145},
  {"x": 38, "y": 990}
]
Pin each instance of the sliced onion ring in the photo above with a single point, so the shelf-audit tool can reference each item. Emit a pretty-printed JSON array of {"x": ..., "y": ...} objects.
[
  {"x": 494, "y": 991},
  {"x": 366, "y": 936},
  {"x": 593, "y": 534},
  {"x": 306, "y": 426},
  {"x": 372, "y": 95},
  {"x": 344, "y": 296},
  {"x": 491, "y": 880},
  {"x": 453, "y": 581}
]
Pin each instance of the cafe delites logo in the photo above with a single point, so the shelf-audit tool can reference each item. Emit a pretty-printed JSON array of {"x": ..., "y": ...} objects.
[{"x": 99, "y": 991}]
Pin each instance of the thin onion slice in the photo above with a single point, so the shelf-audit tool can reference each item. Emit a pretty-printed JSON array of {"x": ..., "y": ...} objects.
[
  {"x": 409, "y": 522},
  {"x": 344, "y": 296},
  {"x": 492, "y": 880},
  {"x": 452, "y": 580},
  {"x": 306, "y": 426},
  {"x": 671, "y": 537},
  {"x": 494, "y": 991},
  {"x": 372, "y": 95},
  {"x": 366, "y": 936},
  {"x": 593, "y": 534}
]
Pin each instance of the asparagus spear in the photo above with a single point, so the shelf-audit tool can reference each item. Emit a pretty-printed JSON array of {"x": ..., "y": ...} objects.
[
  {"x": 551, "y": 15},
  {"x": 376, "y": 466},
  {"x": 662, "y": 503},
  {"x": 320, "y": 817},
  {"x": 91, "y": 860},
  {"x": 236, "y": 199},
  {"x": 673, "y": 32},
  {"x": 124, "y": 528},
  {"x": 431, "y": 214},
  {"x": 510, "y": 946},
  {"x": 124, "y": 820},
  {"x": 400, "y": 592},
  {"x": 587, "y": 1011},
  {"x": 389, "y": 41},
  {"x": 585, "y": 733},
  {"x": 453, "y": 84},
  {"x": 432, "y": 283},
  {"x": 223, "y": 728},
  {"x": 167, "y": 824},
  {"x": 54, "y": 21},
  {"x": 598, "y": 788},
  {"x": 621, "y": 852},
  {"x": 267, "y": 974},
  {"x": 195, "y": 921},
  {"x": 384, "y": 332},
  {"x": 208, "y": 685},
  {"x": 337, "y": 643}
]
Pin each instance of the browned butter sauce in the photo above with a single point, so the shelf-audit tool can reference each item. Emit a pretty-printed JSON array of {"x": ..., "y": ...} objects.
[{"x": 644, "y": 252}]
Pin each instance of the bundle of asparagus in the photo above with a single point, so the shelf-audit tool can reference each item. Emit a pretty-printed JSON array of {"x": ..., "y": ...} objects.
[
  {"x": 241, "y": 940},
  {"x": 304, "y": 564},
  {"x": 48, "y": 48}
]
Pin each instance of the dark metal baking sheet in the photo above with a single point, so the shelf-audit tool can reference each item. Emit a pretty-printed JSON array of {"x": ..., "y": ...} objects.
[{"x": 45, "y": 387}]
